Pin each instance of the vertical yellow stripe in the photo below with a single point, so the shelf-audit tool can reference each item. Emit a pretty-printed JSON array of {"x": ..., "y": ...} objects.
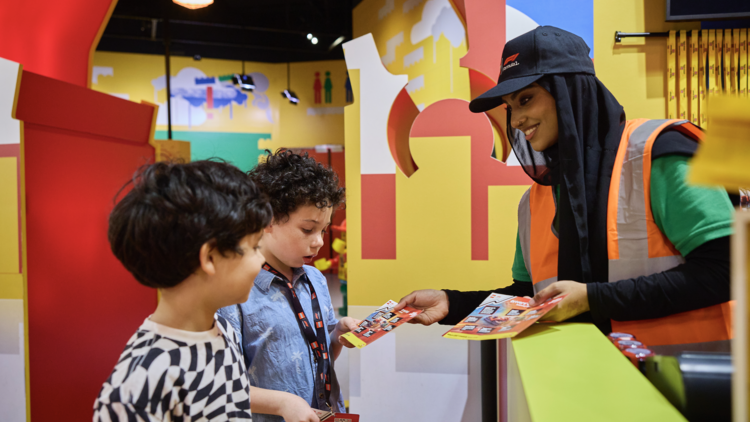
[
  {"x": 712, "y": 69},
  {"x": 25, "y": 272},
  {"x": 728, "y": 62},
  {"x": 9, "y": 253},
  {"x": 702, "y": 57},
  {"x": 735, "y": 59},
  {"x": 694, "y": 108},
  {"x": 743, "y": 62},
  {"x": 719, "y": 61},
  {"x": 672, "y": 106},
  {"x": 682, "y": 79}
]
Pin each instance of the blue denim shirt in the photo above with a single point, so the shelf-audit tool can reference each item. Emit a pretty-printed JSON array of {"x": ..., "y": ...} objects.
[{"x": 278, "y": 355}]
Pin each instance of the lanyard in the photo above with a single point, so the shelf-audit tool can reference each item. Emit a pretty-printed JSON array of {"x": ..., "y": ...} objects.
[{"x": 316, "y": 339}]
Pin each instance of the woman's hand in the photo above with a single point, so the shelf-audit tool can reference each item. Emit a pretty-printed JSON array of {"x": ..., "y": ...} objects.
[
  {"x": 434, "y": 303},
  {"x": 576, "y": 303}
]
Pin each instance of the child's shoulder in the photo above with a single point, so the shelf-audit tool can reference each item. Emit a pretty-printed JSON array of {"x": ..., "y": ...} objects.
[{"x": 227, "y": 328}]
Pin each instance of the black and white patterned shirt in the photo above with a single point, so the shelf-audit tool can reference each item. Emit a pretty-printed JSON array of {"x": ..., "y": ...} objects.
[{"x": 165, "y": 374}]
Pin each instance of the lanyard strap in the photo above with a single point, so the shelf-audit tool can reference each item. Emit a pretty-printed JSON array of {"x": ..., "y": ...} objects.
[{"x": 316, "y": 339}]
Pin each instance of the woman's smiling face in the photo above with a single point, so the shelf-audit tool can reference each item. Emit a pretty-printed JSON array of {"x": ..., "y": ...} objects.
[{"x": 533, "y": 112}]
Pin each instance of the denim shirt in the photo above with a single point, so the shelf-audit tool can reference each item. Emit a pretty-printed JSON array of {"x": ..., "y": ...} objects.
[{"x": 278, "y": 355}]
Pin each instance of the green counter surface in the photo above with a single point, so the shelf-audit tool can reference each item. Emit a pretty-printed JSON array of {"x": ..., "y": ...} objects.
[{"x": 571, "y": 372}]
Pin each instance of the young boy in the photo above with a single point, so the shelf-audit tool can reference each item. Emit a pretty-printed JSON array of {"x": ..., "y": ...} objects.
[
  {"x": 288, "y": 328},
  {"x": 191, "y": 231}
]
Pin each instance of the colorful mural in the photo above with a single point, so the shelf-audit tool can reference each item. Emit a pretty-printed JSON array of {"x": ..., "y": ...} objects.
[
  {"x": 221, "y": 120},
  {"x": 432, "y": 189}
]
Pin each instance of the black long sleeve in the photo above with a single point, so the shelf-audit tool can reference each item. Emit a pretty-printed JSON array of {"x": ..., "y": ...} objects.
[
  {"x": 703, "y": 280},
  {"x": 463, "y": 303}
]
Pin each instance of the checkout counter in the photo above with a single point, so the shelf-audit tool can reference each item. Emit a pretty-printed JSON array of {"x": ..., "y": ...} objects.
[{"x": 572, "y": 372}]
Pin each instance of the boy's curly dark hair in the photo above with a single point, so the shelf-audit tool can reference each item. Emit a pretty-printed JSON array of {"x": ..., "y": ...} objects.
[
  {"x": 292, "y": 180},
  {"x": 158, "y": 228}
]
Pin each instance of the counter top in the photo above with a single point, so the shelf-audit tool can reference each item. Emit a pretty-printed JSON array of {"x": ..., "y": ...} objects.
[{"x": 571, "y": 372}]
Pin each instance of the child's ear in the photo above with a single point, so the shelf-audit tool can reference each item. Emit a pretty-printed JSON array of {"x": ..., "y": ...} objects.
[
  {"x": 207, "y": 258},
  {"x": 268, "y": 229}
]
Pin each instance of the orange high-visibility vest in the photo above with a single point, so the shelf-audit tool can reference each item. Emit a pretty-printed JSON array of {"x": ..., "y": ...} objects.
[{"x": 635, "y": 245}]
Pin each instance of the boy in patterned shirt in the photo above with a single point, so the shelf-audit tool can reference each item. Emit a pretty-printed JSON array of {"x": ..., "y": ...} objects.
[{"x": 192, "y": 232}]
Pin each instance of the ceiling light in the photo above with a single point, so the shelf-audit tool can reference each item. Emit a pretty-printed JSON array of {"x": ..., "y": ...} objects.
[
  {"x": 314, "y": 40},
  {"x": 193, "y": 4},
  {"x": 309, "y": 36},
  {"x": 338, "y": 41},
  {"x": 288, "y": 93},
  {"x": 291, "y": 96},
  {"x": 244, "y": 81}
]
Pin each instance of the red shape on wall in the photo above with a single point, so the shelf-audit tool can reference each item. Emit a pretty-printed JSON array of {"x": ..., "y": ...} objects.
[
  {"x": 54, "y": 38},
  {"x": 452, "y": 118},
  {"x": 400, "y": 118},
  {"x": 80, "y": 147},
  {"x": 378, "y": 216},
  {"x": 209, "y": 97},
  {"x": 485, "y": 33}
]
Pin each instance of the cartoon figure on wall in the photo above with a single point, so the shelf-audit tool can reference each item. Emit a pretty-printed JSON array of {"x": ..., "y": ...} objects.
[
  {"x": 260, "y": 99},
  {"x": 329, "y": 88},
  {"x": 317, "y": 87}
]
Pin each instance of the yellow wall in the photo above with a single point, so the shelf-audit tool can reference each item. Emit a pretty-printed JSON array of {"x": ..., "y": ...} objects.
[
  {"x": 635, "y": 69},
  {"x": 433, "y": 206},
  {"x": 283, "y": 125},
  {"x": 443, "y": 77}
]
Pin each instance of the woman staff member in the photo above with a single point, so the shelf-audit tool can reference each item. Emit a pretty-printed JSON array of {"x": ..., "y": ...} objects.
[{"x": 609, "y": 220}]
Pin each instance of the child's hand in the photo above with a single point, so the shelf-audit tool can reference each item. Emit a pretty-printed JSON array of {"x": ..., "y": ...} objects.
[
  {"x": 345, "y": 325},
  {"x": 296, "y": 409}
]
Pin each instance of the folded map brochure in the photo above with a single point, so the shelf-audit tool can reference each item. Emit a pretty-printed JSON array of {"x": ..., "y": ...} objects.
[
  {"x": 380, "y": 323},
  {"x": 500, "y": 316},
  {"x": 325, "y": 416}
]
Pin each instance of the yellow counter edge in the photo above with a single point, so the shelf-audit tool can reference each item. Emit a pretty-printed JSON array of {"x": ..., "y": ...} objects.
[{"x": 571, "y": 372}]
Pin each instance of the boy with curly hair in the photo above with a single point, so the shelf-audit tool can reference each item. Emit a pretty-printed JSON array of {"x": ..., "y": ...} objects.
[
  {"x": 288, "y": 327},
  {"x": 192, "y": 232}
]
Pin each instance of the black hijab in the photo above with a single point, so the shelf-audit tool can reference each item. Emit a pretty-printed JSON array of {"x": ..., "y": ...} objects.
[{"x": 590, "y": 124}]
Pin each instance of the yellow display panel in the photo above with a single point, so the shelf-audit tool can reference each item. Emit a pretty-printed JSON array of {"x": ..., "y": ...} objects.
[
  {"x": 743, "y": 62},
  {"x": 722, "y": 159},
  {"x": 728, "y": 65},
  {"x": 673, "y": 108},
  {"x": 682, "y": 75},
  {"x": 9, "y": 253},
  {"x": 719, "y": 61},
  {"x": 693, "y": 72},
  {"x": 735, "y": 59},
  {"x": 712, "y": 67},
  {"x": 702, "y": 57}
]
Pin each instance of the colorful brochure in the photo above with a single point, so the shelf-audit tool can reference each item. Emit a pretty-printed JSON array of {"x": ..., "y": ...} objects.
[
  {"x": 500, "y": 316},
  {"x": 380, "y": 323},
  {"x": 336, "y": 417}
]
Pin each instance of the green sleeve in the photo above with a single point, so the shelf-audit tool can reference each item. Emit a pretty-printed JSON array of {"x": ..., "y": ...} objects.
[
  {"x": 519, "y": 267},
  {"x": 688, "y": 215}
]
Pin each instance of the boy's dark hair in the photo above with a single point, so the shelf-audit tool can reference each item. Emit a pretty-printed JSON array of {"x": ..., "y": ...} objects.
[
  {"x": 292, "y": 180},
  {"x": 158, "y": 228}
]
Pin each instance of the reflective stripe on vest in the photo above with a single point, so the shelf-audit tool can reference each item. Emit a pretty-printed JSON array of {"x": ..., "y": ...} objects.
[
  {"x": 635, "y": 245},
  {"x": 540, "y": 257}
]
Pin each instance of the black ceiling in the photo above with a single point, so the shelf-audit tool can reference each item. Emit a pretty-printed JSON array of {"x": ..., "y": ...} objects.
[{"x": 272, "y": 31}]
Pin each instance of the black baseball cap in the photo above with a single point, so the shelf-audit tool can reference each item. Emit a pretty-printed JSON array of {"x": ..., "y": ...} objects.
[{"x": 543, "y": 51}]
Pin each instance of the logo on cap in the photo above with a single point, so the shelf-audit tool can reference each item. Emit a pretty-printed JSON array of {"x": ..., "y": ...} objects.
[{"x": 509, "y": 60}]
